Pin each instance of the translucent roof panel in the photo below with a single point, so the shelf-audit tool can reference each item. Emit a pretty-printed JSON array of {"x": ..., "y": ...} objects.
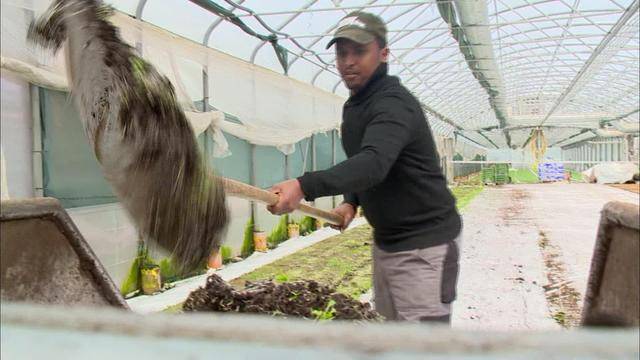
[{"x": 564, "y": 65}]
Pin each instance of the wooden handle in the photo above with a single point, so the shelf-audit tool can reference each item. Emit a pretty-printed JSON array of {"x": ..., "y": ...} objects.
[{"x": 248, "y": 192}]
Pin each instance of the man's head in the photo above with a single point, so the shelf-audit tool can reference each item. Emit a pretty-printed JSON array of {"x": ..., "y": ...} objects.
[{"x": 361, "y": 46}]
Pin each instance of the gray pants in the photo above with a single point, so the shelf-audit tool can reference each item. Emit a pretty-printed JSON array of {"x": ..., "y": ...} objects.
[{"x": 416, "y": 285}]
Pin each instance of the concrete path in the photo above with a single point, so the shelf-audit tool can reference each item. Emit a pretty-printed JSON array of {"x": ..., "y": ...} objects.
[
  {"x": 526, "y": 254},
  {"x": 149, "y": 304}
]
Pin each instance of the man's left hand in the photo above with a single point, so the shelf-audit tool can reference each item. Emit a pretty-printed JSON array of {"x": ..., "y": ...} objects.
[{"x": 290, "y": 194}]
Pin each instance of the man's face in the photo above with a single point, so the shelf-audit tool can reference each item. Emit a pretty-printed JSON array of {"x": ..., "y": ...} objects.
[{"x": 357, "y": 62}]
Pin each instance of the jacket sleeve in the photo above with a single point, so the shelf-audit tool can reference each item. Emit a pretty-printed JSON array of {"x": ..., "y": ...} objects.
[
  {"x": 392, "y": 127},
  {"x": 352, "y": 198}
]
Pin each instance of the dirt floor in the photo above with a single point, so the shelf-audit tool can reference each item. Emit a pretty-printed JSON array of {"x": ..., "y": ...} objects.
[
  {"x": 628, "y": 187},
  {"x": 526, "y": 255}
]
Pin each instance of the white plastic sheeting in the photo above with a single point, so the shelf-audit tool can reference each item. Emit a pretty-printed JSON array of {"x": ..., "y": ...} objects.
[
  {"x": 611, "y": 173},
  {"x": 274, "y": 110},
  {"x": 16, "y": 141}
]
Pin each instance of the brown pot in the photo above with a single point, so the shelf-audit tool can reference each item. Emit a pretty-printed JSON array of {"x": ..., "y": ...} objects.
[
  {"x": 260, "y": 241},
  {"x": 215, "y": 259},
  {"x": 293, "y": 230},
  {"x": 151, "y": 280}
]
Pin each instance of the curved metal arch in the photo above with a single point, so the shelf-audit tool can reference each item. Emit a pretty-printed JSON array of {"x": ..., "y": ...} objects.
[
  {"x": 328, "y": 31},
  {"x": 314, "y": 42},
  {"x": 528, "y": 31},
  {"x": 335, "y": 87},
  {"x": 629, "y": 12},
  {"x": 543, "y": 18},
  {"x": 523, "y": 68},
  {"x": 463, "y": 110},
  {"x": 461, "y": 107},
  {"x": 539, "y": 29},
  {"x": 140, "y": 8},
  {"x": 214, "y": 25},
  {"x": 254, "y": 53},
  {"x": 315, "y": 77},
  {"x": 528, "y": 5}
]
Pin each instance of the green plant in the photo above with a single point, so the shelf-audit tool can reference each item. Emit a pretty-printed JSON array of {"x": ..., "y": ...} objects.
[
  {"x": 328, "y": 313},
  {"x": 560, "y": 317},
  {"x": 280, "y": 233},
  {"x": 168, "y": 271},
  {"x": 281, "y": 278},
  {"x": 132, "y": 282},
  {"x": 307, "y": 225},
  {"x": 225, "y": 253},
  {"x": 248, "y": 247}
]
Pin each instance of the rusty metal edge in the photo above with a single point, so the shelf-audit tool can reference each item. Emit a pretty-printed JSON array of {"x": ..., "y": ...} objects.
[{"x": 51, "y": 209}]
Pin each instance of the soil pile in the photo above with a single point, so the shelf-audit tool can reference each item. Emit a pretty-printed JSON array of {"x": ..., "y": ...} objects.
[{"x": 307, "y": 299}]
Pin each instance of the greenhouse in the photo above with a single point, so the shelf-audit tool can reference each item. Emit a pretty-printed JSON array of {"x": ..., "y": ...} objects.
[{"x": 534, "y": 111}]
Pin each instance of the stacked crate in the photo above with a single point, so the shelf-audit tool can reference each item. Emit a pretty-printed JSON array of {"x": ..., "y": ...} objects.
[
  {"x": 489, "y": 175},
  {"x": 502, "y": 174},
  {"x": 497, "y": 174}
]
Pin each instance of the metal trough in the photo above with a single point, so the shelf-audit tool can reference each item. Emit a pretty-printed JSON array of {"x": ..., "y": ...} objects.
[
  {"x": 613, "y": 291},
  {"x": 45, "y": 259}
]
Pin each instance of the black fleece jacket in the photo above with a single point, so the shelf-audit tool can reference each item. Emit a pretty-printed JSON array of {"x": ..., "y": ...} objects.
[{"x": 393, "y": 169}]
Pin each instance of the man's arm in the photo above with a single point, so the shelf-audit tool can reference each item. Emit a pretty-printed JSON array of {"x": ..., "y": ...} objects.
[{"x": 391, "y": 129}]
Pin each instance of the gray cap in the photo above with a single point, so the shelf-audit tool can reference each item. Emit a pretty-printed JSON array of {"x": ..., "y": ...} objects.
[{"x": 360, "y": 27}]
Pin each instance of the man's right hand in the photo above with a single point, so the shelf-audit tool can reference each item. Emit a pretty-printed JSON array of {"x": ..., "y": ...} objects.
[{"x": 348, "y": 212}]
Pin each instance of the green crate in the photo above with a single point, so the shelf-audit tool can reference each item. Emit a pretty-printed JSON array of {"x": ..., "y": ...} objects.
[
  {"x": 502, "y": 174},
  {"x": 489, "y": 175}
]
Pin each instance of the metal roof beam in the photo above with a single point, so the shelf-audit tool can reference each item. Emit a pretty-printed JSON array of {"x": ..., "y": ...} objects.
[{"x": 587, "y": 69}]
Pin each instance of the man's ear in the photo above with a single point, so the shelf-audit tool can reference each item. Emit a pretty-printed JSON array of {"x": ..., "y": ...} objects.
[{"x": 384, "y": 54}]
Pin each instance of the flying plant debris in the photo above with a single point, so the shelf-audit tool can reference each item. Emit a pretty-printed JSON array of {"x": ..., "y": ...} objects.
[
  {"x": 139, "y": 133},
  {"x": 306, "y": 299}
]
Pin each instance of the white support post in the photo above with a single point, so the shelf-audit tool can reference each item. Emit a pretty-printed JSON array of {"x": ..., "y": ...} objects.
[
  {"x": 252, "y": 179},
  {"x": 333, "y": 160},
  {"x": 36, "y": 131},
  {"x": 314, "y": 165}
]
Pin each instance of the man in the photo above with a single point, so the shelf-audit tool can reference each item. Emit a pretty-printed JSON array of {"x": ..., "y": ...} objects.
[{"x": 393, "y": 172}]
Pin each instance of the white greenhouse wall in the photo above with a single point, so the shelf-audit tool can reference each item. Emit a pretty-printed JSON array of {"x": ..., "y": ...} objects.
[{"x": 16, "y": 137}]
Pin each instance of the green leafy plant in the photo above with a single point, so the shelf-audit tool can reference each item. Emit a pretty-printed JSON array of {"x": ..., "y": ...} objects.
[
  {"x": 281, "y": 278},
  {"x": 560, "y": 317},
  {"x": 248, "y": 247},
  {"x": 225, "y": 253},
  {"x": 328, "y": 313},
  {"x": 280, "y": 233},
  {"x": 168, "y": 271},
  {"x": 307, "y": 225},
  {"x": 132, "y": 282}
]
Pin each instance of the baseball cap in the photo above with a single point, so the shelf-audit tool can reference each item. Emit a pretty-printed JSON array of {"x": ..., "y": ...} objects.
[{"x": 361, "y": 27}]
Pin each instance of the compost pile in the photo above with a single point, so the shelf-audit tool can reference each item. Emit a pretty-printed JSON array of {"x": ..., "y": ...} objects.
[{"x": 306, "y": 299}]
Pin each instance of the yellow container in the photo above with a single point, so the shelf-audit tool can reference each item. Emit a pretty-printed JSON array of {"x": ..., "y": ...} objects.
[
  {"x": 319, "y": 224},
  {"x": 151, "y": 280},
  {"x": 293, "y": 230},
  {"x": 260, "y": 241}
]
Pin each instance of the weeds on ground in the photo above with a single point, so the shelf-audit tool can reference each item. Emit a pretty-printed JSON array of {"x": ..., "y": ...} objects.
[{"x": 328, "y": 313}]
